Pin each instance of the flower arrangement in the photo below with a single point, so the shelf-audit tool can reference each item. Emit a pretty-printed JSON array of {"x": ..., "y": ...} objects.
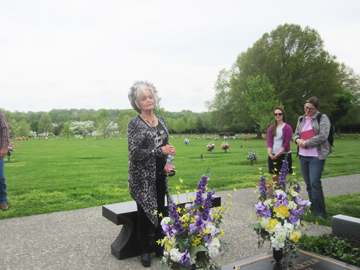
[
  {"x": 10, "y": 149},
  {"x": 193, "y": 232},
  {"x": 252, "y": 155},
  {"x": 210, "y": 146},
  {"x": 279, "y": 210},
  {"x": 225, "y": 146}
]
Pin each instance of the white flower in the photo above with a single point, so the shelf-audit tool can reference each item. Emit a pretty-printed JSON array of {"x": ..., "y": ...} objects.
[
  {"x": 175, "y": 255},
  {"x": 165, "y": 220},
  {"x": 268, "y": 203},
  {"x": 214, "y": 247},
  {"x": 292, "y": 205},
  {"x": 212, "y": 229},
  {"x": 294, "y": 194},
  {"x": 288, "y": 227}
]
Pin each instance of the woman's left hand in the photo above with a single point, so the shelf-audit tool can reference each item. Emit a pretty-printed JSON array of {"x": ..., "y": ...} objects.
[{"x": 167, "y": 170}]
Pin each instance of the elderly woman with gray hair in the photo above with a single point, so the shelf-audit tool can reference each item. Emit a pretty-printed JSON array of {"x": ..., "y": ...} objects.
[{"x": 148, "y": 146}]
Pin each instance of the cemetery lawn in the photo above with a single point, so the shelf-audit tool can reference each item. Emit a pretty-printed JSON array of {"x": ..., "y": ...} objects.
[{"x": 60, "y": 175}]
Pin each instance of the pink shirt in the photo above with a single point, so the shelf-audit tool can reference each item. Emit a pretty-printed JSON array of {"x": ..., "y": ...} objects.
[{"x": 312, "y": 152}]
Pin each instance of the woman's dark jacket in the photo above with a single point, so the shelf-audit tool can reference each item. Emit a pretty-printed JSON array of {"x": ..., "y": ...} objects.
[{"x": 142, "y": 165}]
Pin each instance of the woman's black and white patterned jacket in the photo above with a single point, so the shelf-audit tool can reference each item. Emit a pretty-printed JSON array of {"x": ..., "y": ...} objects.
[{"x": 142, "y": 165}]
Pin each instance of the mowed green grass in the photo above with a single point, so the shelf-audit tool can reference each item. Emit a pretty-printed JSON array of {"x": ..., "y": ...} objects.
[{"x": 59, "y": 175}]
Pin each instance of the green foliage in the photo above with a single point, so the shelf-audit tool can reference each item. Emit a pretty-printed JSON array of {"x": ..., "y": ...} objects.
[
  {"x": 45, "y": 124},
  {"x": 180, "y": 125},
  {"x": 191, "y": 123},
  {"x": 34, "y": 125},
  {"x": 331, "y": 247},
  {"x": 260, "y": 101},
  {"x": 123, "y": 119},
  {"x": 24, "y": 129},
  {"x": 344, "y": 204},
  {"x": 296, "y": 64},
  {"x": 66, "y": 131}
]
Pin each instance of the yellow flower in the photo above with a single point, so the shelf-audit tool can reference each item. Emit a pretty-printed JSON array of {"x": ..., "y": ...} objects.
[
  {"x": 293, "y": 167},
  {"x": 179, "y": 209},
  {"x": 255, "y": 191},
  {"x": 229, "y": 195},
  {"x": 282, "y": 211},
  {"x": 160, "y": 215},
  {"x": 317, "y": 223},
  {"x": 275, "y": 163},
  {"x": 235, "y": 189},
  {"x": 275, "y": 169},
  {"x": 260, "y": 169},
  {"x": 293, "y": 173},
  {"x": 155, "y": 212},
  {"x": 177, "y": 187},
  {"x": 178, "y": 192},
  {"x": 186, "y": 191},
  {"x": 181, "y": 181},
  {"x": 231, "y": 203},
  {"x": 272, "y": 223},
  {"x": 206, "y": 231},
  {"x": 295, "y": 236},
  {"x": 159, "y": 242}
]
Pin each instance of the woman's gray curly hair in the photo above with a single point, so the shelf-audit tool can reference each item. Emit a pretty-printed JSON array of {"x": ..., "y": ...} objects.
[{"x": 136, "y": 89}]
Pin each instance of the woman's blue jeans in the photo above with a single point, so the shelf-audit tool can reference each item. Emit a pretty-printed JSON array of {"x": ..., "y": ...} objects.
[
  {"x": 3, "y": 193},
  {"x": 312, "y": 169}
]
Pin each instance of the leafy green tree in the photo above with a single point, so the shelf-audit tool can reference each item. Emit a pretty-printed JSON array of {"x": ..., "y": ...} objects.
[
  {"x": 170, "y": 124},
  {"x": 66, "y": 131},
  {"x": 34, "y": 125},
  {"x": 160, "y": 111},
  {"x": 345, "y": 102},
  {"x": 58, "y": 128},
  {"x": 180, "y": 125},
  {"x": 88, "y": 117},
  {"x": 191, "y": 123},
  {"x": 45, "y": 124},
  {"x": 297, "y": 66},
  {"x": 123, "y": 119},
  {"x": 103, "y": 122},
  {"x": 260, "y": 101},
  {"x": 24, "y": 129}
]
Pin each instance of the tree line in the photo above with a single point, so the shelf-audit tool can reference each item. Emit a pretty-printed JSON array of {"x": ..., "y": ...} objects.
[{"x": 104, "y": 122}]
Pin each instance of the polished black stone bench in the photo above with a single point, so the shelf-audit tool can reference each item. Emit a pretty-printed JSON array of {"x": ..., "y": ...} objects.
[{"x": 126, "y": 244}]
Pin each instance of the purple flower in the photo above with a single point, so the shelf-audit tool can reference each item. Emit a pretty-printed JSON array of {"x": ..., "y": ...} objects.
[
  {"x": 280, "y": 198},
  {"x": 198, "y": 226},
  {"x": 294, "y": 216},
  {"x": 173, "y": 213},
  {"x": 262, "y": 210},
  {"x": 302, "y": 205},
  {"x": 296, "y": 187},
  {"x": 201, "y": 189},
  {"x": 283, "y": 172},
  {"x": 185, "y": 258},
  {"x": 263, "y": 188}
]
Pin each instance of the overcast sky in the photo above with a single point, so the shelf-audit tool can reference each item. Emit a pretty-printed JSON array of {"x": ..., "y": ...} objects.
[{"x": 86, "y": 54}]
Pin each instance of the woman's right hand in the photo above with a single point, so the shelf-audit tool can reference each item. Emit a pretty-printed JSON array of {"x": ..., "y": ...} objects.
[{"x": 168, "y": 149}]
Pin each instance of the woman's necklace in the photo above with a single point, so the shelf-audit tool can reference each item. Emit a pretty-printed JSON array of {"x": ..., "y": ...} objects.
[{"x": 151, "y": 123}]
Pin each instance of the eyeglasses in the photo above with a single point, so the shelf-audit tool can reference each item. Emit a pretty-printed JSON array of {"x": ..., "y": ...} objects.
[
  {"x": 310, "y": 109},
  {"x": 277, "y": 114}
]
